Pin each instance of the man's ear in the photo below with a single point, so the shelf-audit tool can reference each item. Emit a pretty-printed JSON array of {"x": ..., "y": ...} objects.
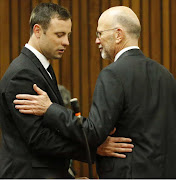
[
  {"x": 119, "y": 35},
  {"x": 37, "y": 30}
]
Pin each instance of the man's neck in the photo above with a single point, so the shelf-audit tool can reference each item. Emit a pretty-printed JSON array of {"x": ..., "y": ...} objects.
[{"x": 34, "y": 43}]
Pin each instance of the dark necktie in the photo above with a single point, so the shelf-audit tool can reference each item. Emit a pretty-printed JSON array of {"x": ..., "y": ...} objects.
[{"x": 51, "y": 71}]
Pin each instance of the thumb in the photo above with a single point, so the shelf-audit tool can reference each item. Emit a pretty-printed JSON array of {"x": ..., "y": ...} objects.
[
  {"x": 113, "y": 131},
  {"x": 38, "y": 90}
]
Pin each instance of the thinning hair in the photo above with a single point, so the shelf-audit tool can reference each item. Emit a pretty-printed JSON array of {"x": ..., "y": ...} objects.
[
  {"x": 43, "y": 13},
  {"x": 131, "y": 26}
]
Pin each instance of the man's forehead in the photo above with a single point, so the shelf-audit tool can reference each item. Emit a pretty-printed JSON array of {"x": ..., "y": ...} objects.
[
  {"x": 61, "y": 21},
  {"x": 103, "y": 24},
  {"x": 60, "y": 24}
]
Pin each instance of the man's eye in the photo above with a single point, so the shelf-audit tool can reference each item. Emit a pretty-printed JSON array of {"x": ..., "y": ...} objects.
[{"x": 59, "y": 35}]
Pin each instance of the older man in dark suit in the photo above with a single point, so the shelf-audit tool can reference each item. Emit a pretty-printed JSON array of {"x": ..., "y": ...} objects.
[{"x": 134, "y": 93}]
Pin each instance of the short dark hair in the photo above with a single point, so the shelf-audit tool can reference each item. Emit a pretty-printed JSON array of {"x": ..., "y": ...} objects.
[{"x": 43, "y": 13}]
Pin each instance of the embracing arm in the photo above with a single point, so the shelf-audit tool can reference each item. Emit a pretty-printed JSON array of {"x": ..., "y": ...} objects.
[
  {"x": 104, "y": 114},
  {"x": 38, "y": 105}
]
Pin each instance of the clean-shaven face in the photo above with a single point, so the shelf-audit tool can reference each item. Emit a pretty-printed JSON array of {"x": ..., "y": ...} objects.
[{"x": 55, "y": 39}]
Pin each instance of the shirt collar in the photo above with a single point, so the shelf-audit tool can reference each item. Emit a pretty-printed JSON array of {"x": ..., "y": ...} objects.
[
  {"x": 40, "y": 56},
  {"x": 123, "y": 51}
]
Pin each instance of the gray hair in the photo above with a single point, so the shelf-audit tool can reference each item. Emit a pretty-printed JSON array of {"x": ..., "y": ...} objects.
[{"x": 131, "y": 27}]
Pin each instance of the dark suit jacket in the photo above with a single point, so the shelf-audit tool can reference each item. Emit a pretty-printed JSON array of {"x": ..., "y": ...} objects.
[
  {"x": 29, "y": 149},
  {"x": 137, "y": 96}
]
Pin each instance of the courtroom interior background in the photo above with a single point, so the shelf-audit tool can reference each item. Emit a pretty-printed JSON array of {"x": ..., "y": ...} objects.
[{"x": 81, "y": 64}]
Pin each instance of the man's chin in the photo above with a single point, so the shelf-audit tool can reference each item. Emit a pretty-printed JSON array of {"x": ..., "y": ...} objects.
[
  {"x": 58, "y": 57},
  {"x": 103, "y": 55}
]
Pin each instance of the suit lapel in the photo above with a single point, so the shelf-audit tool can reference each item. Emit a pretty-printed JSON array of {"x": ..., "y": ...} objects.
[
  {"x": 51, "y": 83},
  {"x": 35, "y": 60}
]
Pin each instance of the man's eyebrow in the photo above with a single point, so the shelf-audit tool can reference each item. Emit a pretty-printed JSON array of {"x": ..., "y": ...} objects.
[{"x": 60, "y": 32}]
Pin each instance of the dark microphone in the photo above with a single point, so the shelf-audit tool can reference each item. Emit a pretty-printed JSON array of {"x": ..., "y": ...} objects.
[{"x": 75, "y": 106}]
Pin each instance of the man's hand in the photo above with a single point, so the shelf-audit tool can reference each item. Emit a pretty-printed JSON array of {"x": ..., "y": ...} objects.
[
  {"x": 113, "y": 146},
  {"x": 33, "y": 104}
]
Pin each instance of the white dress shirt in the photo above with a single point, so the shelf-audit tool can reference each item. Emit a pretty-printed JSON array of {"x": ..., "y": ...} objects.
[
  {"x": 123, "y": 51},
  {"x": 40, "y": 56}
]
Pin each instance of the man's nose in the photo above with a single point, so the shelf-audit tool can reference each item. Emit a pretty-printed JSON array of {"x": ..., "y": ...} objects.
[
  {"x": 97, "y": 40},
  {"x": 66, "y": 41}
]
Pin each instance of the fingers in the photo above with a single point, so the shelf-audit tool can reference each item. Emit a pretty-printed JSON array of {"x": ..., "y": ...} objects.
[
  {"x": 38, "y": 90},
  {"x": 26, "y": 111},
  {"x": 26, "y": 96},
  {"x": 115, "y": 152},
  {"x": 115, "y": 146},
  {"x": 23, "y": 102},
  {"x": 117, "y": 155},
  {"x": 23, "y": 107},
  {"x": 122, "y": 150},
  {"x": 119, "y": 139},
  {"x": 122, "y": 145}
]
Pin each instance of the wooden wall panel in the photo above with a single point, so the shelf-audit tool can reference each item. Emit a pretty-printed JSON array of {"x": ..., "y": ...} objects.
[
  {"x": 15, "y": 33},
  {"x": 35, "y": 3},
  {"x": 24, "y": 10},
  {"x": 136, "y": 7},
  {"x": 166, "y": 34},
  {"x": 155, "y": 31},
  {"x": 93, "y": 51},
  {"x": 145, "y": 25},
  {"x": 173, "y": 36},
  {"x": 4, "y": 36},
  {"x": 115, "y": 3},
  {"x": 81, "y": 63},
  {"x": 126, "y": 3}
]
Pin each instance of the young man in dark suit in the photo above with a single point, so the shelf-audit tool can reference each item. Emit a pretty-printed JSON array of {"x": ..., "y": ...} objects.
[{"x": 29, "y": 148}]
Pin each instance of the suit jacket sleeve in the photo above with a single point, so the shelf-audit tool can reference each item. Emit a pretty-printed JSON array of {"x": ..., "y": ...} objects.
[
  {"x": 40, "y": 138},
  {"x": 107, "y": 104}
]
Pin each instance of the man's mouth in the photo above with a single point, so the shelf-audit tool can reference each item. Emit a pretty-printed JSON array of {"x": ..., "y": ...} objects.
[
  {"x": 100, "y": 47},
  {"x": 61, "y": 50}
]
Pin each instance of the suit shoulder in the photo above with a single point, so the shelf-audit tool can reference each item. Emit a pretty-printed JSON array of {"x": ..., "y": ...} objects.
[
  {"x": 20, "y": 64},
  {"x": 115, "y": 67},
  {"x": 19, "y": 69},
  {"x": 110, "y": 71}
]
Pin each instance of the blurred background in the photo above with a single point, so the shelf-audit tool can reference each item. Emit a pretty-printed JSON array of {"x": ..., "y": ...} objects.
[{"x": 81, "y": 63}]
